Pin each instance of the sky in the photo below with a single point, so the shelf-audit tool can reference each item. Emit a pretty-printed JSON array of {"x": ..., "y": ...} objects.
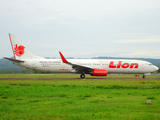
[{"x": 82, "y": 28}]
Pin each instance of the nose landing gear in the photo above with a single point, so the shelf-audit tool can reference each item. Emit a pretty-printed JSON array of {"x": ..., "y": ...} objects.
[{"x": 144, "y": 76}]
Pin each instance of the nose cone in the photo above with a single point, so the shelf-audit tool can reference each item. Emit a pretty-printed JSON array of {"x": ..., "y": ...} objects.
[{"x": 156, "y": 68}]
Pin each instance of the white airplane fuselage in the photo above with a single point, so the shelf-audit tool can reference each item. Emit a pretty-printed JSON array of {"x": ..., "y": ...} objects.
[
  {"x": 112, "y": 65},
  {"x": 95, "y": 67}
]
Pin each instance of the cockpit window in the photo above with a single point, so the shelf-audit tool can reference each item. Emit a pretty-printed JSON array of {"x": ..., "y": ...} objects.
[{"x": 150, "y": 64}]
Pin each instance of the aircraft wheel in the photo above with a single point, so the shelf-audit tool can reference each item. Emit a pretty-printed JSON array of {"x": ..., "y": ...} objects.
[
  {"x": 144, "y": 76},
  {"x": 82, "y": 76}
]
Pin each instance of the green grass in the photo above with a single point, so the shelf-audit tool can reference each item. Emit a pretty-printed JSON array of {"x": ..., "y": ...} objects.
[
  {"x": 63, "y": 75},
  {"x": 79, "y": 99}
]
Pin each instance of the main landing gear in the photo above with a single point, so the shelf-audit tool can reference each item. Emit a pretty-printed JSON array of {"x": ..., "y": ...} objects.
[
  {"x": 144, "y": 76},
  {"x": 82, "y": 76}
]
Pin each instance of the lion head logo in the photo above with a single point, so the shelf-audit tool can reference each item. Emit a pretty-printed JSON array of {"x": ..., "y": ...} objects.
[{"x": 19, "y": 50}]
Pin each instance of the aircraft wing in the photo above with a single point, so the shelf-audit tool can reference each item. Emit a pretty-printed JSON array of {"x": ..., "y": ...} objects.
[{"x": 77, "y": 68}]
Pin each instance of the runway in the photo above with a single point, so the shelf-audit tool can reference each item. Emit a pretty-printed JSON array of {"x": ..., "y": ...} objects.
[{"x": 38, "y": 78}]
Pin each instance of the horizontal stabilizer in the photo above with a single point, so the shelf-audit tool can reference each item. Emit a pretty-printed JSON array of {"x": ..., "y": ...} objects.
[{"x": 14, "y": 60}]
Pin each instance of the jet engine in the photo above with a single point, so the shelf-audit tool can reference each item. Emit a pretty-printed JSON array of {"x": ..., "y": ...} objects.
[{"x": 99, "y": 72}]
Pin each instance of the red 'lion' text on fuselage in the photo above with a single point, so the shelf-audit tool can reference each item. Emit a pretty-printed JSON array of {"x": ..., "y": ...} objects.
[{"x": 124, "y": 65}]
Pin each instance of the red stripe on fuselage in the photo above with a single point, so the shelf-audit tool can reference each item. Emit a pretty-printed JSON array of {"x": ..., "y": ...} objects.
[{"x": 12, "y": 46}]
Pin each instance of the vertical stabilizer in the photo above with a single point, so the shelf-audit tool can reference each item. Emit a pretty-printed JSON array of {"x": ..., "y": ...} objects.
[{"x": 19, "y": 49}]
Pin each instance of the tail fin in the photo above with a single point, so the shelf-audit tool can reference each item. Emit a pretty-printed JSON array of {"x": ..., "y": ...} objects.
[{"x": 19, "y": 49}]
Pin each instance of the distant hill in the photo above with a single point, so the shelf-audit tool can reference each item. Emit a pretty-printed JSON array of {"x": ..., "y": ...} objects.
[
  {"x": 153, "y": 61},
  {"x": 145, "y": 59},
  {"x": 8, "y": 66}
]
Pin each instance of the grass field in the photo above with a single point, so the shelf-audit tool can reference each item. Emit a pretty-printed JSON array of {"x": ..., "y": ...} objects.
[
  {"x": 72, "y": 76},
  {"x": 79, "y": 99}
]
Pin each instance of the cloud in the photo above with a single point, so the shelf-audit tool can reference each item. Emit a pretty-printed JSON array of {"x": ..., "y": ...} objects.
[
  {"x": 154, "y": 39},
  {"x": 83, "y": 27},
  {"x": 141, "y": 53},
  {"x": 45, "y": 45}
]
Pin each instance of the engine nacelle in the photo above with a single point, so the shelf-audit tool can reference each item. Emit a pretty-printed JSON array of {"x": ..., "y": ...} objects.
[{"x": 99, "y": 72}]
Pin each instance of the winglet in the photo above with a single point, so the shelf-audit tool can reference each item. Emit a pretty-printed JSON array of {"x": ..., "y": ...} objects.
[{"x": 63, "y": 58}]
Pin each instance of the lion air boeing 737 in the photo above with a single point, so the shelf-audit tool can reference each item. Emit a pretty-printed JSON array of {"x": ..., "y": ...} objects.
[{"x": 95, "y": 67}]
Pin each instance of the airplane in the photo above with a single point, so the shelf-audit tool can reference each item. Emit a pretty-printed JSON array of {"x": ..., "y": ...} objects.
[{"x": 95, "y": 67}]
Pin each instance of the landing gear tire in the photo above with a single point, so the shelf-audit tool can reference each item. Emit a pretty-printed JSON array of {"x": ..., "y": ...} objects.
[
  {"x": 144, "y": 76},
  {"x": 82, "y": 76}
]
